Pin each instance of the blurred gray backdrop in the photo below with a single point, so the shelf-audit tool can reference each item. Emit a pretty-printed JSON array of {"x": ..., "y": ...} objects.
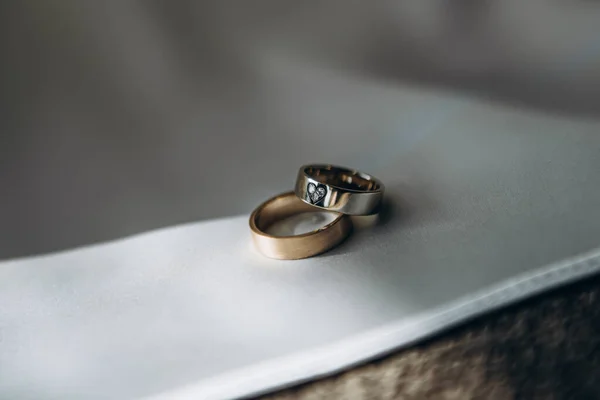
[{"x": 119, "y": 117}]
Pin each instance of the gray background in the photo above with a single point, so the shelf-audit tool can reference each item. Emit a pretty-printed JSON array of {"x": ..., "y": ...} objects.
[{"x": 121, "y": 117}]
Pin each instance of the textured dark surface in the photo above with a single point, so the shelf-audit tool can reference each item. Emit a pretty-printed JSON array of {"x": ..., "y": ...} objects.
[{"x": 543, "y": 348}]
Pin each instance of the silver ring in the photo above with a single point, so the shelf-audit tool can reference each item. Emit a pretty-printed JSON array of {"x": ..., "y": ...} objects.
[{"x": 339, "y": 189}]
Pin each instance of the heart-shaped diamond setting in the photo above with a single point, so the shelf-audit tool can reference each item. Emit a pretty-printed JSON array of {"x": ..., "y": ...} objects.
[{"x": 315, "y": 193}]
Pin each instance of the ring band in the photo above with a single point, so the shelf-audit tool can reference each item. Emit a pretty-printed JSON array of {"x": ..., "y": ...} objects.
[
  {"x": 298, "y": 246},
  {"x": 339, "y": 189}
]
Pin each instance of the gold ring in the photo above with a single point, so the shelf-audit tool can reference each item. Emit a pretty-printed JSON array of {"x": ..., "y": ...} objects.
[{"x": 297, "y": 246}]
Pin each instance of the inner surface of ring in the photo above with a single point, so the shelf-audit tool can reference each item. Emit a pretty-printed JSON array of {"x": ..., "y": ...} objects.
[
  {"x": 342, "y": 178},
  {"x": 280, "y": 208}
]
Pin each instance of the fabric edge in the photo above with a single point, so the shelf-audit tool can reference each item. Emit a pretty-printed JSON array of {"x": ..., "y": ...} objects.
[{"x": 321, "y": 362}]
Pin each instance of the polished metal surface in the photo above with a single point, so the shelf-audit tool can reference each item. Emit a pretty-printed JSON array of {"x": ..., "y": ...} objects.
[
  {"x": 339, "y": 189},
  {"x": 297, "y": 246}
]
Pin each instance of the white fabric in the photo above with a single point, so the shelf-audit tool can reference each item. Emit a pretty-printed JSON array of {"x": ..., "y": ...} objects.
[{"x": 486, "y": 205}]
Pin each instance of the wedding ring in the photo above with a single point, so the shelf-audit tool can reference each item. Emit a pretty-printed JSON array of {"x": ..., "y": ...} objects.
[
  {"x": 339, "y": 189},
  {"x": 297, "y": 246}
]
